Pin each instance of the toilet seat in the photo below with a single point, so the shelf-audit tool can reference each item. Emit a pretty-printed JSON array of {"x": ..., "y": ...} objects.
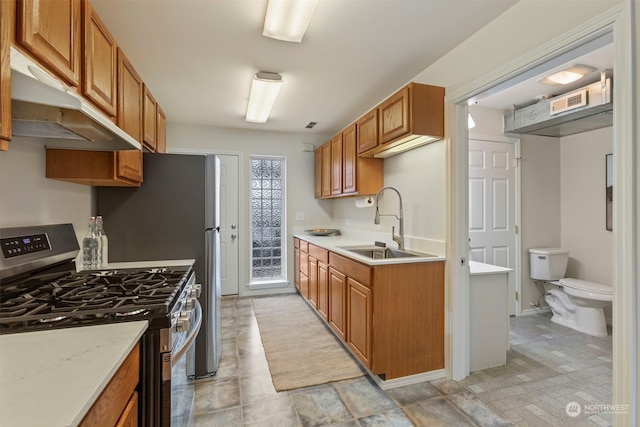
[{"x": 586, "y": 289}]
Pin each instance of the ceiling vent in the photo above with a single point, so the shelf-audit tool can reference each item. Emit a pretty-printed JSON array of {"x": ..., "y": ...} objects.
[{"x": 581, "y": 110}]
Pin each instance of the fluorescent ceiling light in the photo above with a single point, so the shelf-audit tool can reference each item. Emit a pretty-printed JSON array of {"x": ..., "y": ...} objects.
[
  {"x": 288, "y": 19},
  {"x": 568, "y": 75},
  {"x": 264, "y": 91}
]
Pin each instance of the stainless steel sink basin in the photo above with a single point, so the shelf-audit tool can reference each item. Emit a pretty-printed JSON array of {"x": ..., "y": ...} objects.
[{"x": 377, "y": 252}]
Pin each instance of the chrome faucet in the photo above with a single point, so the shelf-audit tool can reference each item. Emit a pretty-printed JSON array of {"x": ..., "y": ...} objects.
[{"x": 398, "y": 239}]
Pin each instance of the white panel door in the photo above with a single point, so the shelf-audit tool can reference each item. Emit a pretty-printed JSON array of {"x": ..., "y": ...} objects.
[
  {"x": 492, "y": 207},
  {"x": 229, "y": 231}
]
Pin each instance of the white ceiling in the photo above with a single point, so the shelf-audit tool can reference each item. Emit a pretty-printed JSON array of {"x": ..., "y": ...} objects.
[{"x": 198, "y": 56}]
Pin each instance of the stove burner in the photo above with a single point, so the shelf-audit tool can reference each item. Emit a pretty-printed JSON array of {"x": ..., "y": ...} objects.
[{"x": 90, "y": 297}]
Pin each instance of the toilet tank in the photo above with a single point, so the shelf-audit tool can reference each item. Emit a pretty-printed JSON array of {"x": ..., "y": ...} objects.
[{"x": 548, "y": 263}]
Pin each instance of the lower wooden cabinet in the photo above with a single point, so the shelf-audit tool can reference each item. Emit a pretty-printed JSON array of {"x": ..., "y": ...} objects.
[
  {"x": 117, "y": 405},
  {"x": 390, "y": 316},
  {"x": 337, "y": 306},
  {"x": 359, "y": 320},
  {"x": 97, "y": 168}
]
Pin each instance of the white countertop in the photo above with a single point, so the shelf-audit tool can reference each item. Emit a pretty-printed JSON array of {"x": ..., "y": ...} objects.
[
  {"x": 52, "y": 378},
  {"x": 478, "y": 268},
  {"x": 335, "y": 243}
]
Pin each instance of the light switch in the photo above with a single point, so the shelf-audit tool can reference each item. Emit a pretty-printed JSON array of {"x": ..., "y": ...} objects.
[{"x": 299, "y": 216}]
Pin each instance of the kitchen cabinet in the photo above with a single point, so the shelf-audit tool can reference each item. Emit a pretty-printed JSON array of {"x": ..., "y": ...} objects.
[
  {"x": 150, "y": 118},
  {"x": 161, "y": 131},
  {"x": 411, "y": 117},
  {"x": 296, "y": 263},
  {"x": 130, "y": 98},
  {"x": 317, "y": 256},
  {"x": 6, "y": 19},
  {"x": 97, "y": 168},
  {"x": 326, "y": 170},
  {"x": 390, "y": 316},
  {"x": 317, "y": 156},
  {"x": 336, "y": 165},
  {"x": 359, "y": 319},
  {"x": 367, "y": 131},
  {"x": 304, "y": 269},
  {"x": 341, "y": 172},
  {"x": 337, "y": 306},
  {"x": 118, "y": 402},
  {"x": 99, "y": 77},
  {"x": 50, "y": 31}
]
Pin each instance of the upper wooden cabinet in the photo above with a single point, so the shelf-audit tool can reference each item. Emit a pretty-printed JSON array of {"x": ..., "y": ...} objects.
[
  {"x": 347, "y": 173},
  {"x": 6, "y": 14},
  {"x": 336, "y": 165},
  {"x": 96, "y": 168},
  {"x": 367, "y": 134},
  {"x": 317, "y": 189},
  {"x": 161, "y": 131},
  {"x": 150, "y": 114},
  {"x": 411, "y": 117},
  {"x": 100, "y": 65},
  {"x": 50, "y": 31},
  {"x": 130, "y": 98}
]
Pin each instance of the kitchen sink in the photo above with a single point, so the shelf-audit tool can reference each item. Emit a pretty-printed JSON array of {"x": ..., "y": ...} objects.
[{"x": 378, "y": 252}]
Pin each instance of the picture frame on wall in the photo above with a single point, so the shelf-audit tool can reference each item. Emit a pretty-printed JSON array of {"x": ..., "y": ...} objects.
[{"x": 609, "y": 191}]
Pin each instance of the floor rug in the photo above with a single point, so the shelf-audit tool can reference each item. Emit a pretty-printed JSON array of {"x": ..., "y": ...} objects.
[{"x": 300, "y": 349}]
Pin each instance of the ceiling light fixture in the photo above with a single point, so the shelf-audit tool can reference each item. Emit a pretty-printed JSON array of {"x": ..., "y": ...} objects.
[
  {"x": 568, "y": 75},
  {"x": 288, "y": 19},
  {"x": 264, "y": 91}
]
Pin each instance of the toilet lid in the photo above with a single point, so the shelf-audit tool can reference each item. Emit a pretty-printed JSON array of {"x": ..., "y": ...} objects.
[{"x": 584, "y": 285}]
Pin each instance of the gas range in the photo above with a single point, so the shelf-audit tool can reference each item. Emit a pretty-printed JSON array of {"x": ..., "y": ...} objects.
[
  {"x": 67, "y": 299},
  {"x": 40, "y": 289}
]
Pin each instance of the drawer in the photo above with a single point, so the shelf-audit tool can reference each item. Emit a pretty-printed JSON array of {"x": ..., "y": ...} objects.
[
  {"x": 360, "y": 272},
  {"x": 319, "y": 253},
  {"x": 304, "y": 246}
]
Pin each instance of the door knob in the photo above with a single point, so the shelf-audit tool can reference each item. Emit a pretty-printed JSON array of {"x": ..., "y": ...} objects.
[
  {"x": 233, "y": 236},
  {"x": 233, "y": 226}
]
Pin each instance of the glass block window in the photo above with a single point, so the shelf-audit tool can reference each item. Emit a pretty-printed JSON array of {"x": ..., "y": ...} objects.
[{"x": 267, "y": 218}]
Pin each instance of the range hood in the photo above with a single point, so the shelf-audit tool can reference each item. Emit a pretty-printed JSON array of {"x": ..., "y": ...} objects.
[
  {"x": 581, "y": 110},
  {"x": 44, "y": 107}
]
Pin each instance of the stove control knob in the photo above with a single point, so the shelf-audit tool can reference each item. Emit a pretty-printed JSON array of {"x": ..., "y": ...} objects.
[
  {"x": 190, "y": 303},
  {"x": 195, "y": 290},
  {"x": 183, "y": 322}
]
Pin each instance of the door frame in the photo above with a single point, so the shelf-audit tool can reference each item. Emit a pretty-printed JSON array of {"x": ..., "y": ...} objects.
[
  {"x": 619, "y": 21},
  {"x": 517, "y": 214}
]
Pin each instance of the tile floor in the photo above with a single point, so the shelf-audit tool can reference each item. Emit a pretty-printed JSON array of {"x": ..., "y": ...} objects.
[{"x": 548, "y": 367}]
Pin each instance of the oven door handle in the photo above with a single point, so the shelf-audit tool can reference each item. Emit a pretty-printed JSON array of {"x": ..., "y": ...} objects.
[{"x": 193, "y": 332}]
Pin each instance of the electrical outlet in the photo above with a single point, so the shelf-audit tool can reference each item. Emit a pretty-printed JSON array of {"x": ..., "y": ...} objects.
[{"x": 299, "y": 216}]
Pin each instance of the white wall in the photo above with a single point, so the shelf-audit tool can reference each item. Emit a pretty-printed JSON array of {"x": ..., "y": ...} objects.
[
  {"x": 28, "y": 198},
  {"x": 300, "y": 178},
  {"x": 583, "y": 230}
]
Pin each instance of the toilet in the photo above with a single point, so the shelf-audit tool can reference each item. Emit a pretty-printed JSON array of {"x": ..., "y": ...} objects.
[{"x": 577, "y": 304}]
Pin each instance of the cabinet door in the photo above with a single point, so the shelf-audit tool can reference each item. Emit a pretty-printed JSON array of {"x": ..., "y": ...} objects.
[
  {"x": 359, "y": 319},
  {"x": 5, "y": 75},
  {"x": 326, "y": 169},
  {"x": 304, "y": 274},
  {"x": 296, "y": 268},
  {"x": 50, "y": 31},
  {"x": 394, "y": 118},
  {"x": 313, "y": 281},
  {"x": 367, "y": 134},
  {"x": 149, "y": 128},
  {"x": 317, "y": 191},
  {"x": 130, "y": 97},
  {"x": 323, "y": 290},
  {"x": 129, "y": 417},
  {"x": 129, "y": 166},
  {"x": 99, "y": 79},
  {"x": 161, "y": 131},
  {"x": 336, "y": 165},
  {"x": 349, "y": 160},
  {"x": 337, "y": 307}
]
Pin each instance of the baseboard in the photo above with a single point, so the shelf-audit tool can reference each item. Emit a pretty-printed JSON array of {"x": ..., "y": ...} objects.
[{"x": 408, "y": 380}]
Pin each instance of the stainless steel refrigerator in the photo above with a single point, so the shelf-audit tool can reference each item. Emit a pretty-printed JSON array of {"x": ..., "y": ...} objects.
[{"x": 174, "y": 215}]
